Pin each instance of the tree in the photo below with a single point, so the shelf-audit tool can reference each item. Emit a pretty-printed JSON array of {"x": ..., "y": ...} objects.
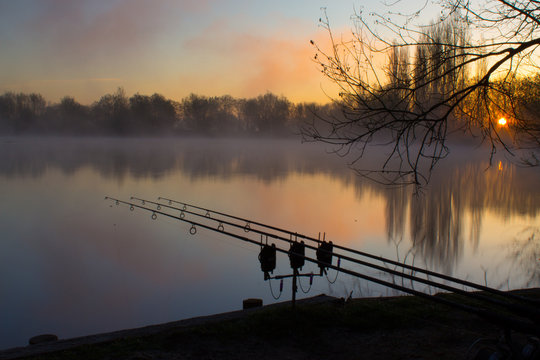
[
  {"x": 199, "y": 114},
  {"x": 21, "y": 112},
  {"x": 438, "y": 79},
  {"x": 111, "y": 112},
  {"x": 152, "y": 114},
  {"x": 267, "y": 114},
  {"x": 69, "y": 116}
]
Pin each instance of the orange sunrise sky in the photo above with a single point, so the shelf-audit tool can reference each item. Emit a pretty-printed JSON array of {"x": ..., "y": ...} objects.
[{"x": 87, "y": 48}]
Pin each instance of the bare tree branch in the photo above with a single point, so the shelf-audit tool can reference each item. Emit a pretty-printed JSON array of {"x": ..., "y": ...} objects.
[{"x": 436, "y": 80}]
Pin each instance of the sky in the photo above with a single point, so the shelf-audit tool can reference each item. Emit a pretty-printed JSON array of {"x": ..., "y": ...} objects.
[{"x": 244, "y": 48}]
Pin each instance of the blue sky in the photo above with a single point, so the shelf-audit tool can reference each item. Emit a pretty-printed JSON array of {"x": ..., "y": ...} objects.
[{"x": 87, "y": 48}]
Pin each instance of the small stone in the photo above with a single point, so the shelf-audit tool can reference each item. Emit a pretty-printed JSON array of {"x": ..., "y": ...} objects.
[
  {"x": 251, "y": 303},
  {"x": 40, "y": 339}
]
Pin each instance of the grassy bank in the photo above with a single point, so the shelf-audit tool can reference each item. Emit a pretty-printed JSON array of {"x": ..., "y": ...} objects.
[{"x": 378, "y": 328}]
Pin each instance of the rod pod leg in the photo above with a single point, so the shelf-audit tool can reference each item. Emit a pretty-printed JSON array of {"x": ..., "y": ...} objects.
[{"x": 294, "y": 287}]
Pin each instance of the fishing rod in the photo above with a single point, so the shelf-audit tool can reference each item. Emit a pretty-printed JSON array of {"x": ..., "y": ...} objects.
[
  {"x": 488, "y": 315},
  {"x": 361, "y": 253},
  {"x": 517, "y": 308}
]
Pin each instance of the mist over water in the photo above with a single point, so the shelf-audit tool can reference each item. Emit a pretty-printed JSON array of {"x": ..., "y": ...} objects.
[{"x": 74, "y": 264}]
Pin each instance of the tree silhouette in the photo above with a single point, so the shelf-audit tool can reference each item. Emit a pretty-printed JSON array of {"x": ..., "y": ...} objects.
[
  {"x": 438, "y": 78},
  {"x": 267, "y": 113},
  {"x": 152, "y": 114},
  {"x": 111, "y": 112},
  {"x": 199, "y": 114},
  {"x": 116, "y": 114},
  {"x": 68, "y": 116},
  {"x": 20, "y": 112}
]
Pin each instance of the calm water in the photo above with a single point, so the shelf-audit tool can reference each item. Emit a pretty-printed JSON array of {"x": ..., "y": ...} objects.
[{"x": 73, "y": 264}]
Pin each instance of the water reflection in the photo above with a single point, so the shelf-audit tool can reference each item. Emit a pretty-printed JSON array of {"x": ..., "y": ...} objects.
[
  {"x": 461, "y": 194},
  {"x": 90, "y": 268},
  {"x": 524, "y": 254},
  {"x": 438, "y": 221}
]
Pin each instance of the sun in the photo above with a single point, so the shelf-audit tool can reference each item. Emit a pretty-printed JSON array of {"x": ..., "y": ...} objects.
[{"x": 502, "y": 121}]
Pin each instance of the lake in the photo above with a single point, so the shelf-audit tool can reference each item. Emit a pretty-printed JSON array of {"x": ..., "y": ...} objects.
[{"x": 73, "y": 264}]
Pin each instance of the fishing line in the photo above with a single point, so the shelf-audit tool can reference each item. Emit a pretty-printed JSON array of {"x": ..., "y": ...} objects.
[
  {"x": 519, "y": 308},
  {"x": 489, "y": 315},
  {"x": 272, "y": 290},
  {"x": 310, "y": 284},
  {"x": 361, "y": 253}
]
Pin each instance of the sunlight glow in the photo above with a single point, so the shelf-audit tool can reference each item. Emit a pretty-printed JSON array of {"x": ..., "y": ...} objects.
[{"x": 502, "y": 121}]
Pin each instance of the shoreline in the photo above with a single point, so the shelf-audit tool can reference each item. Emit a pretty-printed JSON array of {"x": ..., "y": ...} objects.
[
  {"x": 320, "y": 327},
  {"x": 64, "y": 344}
]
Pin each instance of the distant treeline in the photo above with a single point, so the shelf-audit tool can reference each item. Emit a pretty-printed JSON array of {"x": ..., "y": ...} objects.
[{"x": 117, "y": 114}]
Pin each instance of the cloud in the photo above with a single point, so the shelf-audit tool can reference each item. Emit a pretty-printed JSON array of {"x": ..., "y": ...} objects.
[
  {"x": 80, "y": 33},
  {"x": 279, "y": 61},
  {"x": 78, "y": 80},
  {"x": 142, "y": 44}
]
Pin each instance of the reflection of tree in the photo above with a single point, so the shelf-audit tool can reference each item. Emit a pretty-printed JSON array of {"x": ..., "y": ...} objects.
[
  {"x": 465, "y": 191},
  {"x": 396, "y": 207},
  {"x": 525, "y": 254},
  {"x": 436, "y": 218},
  {"x": 267, "y": 160},
  {"x": 436, "y": 228}
]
